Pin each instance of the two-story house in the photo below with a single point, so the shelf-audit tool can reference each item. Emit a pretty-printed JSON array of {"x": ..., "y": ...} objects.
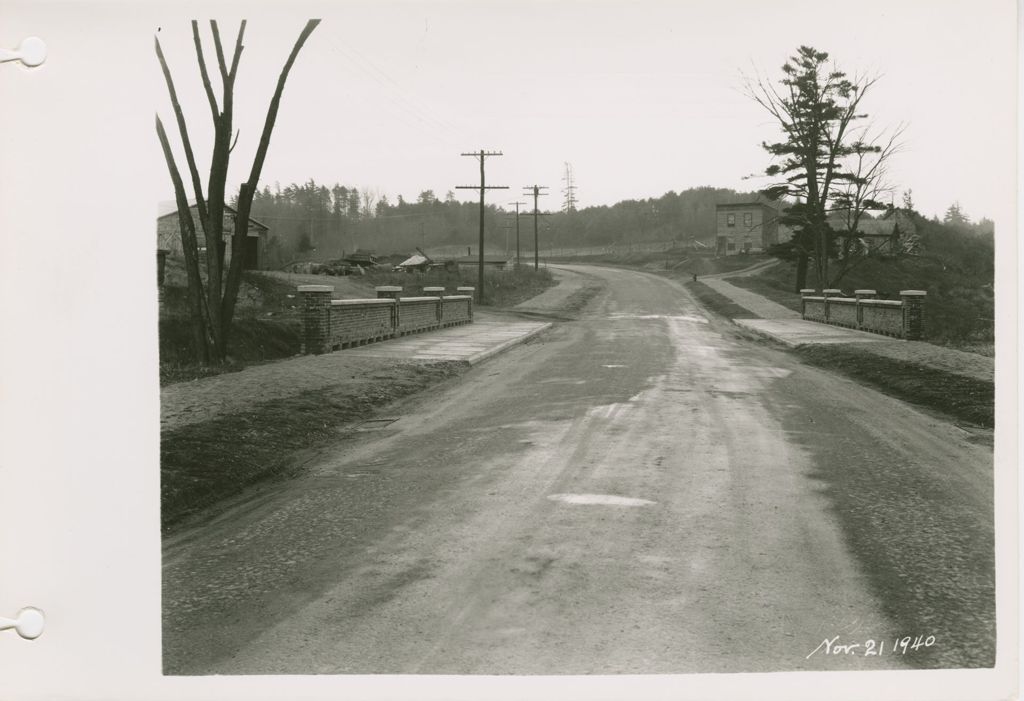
[{"x": 745, "y": 227}]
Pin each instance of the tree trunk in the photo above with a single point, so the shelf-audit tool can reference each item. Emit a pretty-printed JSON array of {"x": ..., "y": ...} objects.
[
  {"x": 212, "y": 309},
  {"x": 248, "y": 189},
  {"x": 801, "y": 272}
]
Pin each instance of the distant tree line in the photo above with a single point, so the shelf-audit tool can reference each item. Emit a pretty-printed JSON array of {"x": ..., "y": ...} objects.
[
  {"x": 316, "y": 222},
  {"x": 312, "y": 221},
  {"x": 683, "y": 217}
]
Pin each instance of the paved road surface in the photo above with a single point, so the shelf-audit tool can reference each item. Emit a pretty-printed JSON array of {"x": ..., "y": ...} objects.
[{"x": 634, "y": 493}]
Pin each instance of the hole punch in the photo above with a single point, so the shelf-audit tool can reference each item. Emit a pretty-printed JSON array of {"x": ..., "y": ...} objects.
[
  {"x": 31, "y": 52},
  {"x": 29, "y": 624}
]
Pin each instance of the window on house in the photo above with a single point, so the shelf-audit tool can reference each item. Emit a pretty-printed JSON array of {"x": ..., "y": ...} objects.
[
  {"x": 732, "y": 246},
  {"x": 748, "y": 219},
  {"x": 730, "y": 220}
]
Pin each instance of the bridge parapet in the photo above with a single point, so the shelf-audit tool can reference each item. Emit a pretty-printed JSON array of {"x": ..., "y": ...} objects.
[{"x": 902, "y": 318}]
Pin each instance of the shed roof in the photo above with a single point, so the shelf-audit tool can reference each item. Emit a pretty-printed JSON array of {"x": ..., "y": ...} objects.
[
  {"x": 883, "y": 226},
  {"x": 414, "y": 261},
  {"x": 487, "y": 259},
  {"x": 166, "y": 208}
]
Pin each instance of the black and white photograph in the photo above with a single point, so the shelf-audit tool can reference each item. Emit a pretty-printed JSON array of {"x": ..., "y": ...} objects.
[{"x": 557, "y": 349}]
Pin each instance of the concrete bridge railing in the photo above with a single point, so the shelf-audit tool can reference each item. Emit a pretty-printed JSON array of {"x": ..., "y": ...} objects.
[
  {"x": 902, "y": 318},
  {"x": 331, "y": 324}
]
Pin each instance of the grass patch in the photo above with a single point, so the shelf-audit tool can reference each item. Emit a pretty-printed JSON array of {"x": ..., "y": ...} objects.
[
  {"x": 718, "y": 303},
  {"x": 201, "y": 464},
  {"x": 964, "y": 398}
]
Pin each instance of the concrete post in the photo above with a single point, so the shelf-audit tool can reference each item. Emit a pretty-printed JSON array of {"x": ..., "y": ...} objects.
[
  {"x": 913, "y": 314},
  {"x": 316, "y": 317},
  {"x": 806, "y": 292},
  {"x": 831, "y": 292},
  {"x": 467, "y": 291},
  {"x": 388, "y": 292},
  {"x": 862, "y": 294}
]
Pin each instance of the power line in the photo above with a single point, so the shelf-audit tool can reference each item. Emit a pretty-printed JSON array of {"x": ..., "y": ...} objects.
[
  {"x": 535, "y": 190},
  {"x": 482, "y": 155}
]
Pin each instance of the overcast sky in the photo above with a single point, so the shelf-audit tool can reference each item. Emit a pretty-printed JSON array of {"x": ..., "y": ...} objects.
[{"x": 640, "y": 98}]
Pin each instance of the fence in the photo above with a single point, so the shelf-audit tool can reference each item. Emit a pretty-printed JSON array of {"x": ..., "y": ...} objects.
[
  {"x": 902, "y": 318},
  {"x": 331, "y": 324}
]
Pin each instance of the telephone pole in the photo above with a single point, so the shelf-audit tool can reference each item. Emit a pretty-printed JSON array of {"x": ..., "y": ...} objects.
[
  {"x": 517, "y": 230},
  {"x": 482, "y": 155},
  {"x": 535, "y": 190}
]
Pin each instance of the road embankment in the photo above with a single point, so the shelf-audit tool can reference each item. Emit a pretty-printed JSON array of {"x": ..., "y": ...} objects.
[{"x": 206, "y": 461}]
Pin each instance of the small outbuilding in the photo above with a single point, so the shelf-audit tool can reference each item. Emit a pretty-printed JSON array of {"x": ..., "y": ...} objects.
[
  {"x": 889, "y": 235},
  {"x": 490, "y": 262},
  {"x": 168, "y": 232}
]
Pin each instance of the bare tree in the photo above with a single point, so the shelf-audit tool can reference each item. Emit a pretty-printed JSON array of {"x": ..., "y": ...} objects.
[
  {"x": 861, "y": 190},
  {"x": 369, "y": 196},
  {"x": 212, "y": 302},
  {"x": 827, "y": 163}
]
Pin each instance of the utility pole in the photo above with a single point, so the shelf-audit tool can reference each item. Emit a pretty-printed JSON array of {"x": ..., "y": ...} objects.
[
  {"x": 517, "y": 230},
  {"x": 535, "y": 190},
  {"x": 482, "y": 155}
]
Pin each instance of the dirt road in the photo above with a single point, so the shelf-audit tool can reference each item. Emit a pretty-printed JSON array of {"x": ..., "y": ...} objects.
[{"x": 641, "y": 491}]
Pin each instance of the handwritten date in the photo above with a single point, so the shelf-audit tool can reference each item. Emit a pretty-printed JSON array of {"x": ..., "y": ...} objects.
[{"x": 870, "y": 647}]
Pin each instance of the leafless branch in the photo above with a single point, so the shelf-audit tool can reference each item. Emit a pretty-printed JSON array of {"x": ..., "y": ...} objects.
[
  {"x": 214, "y": 110},
  {"x": 189, "y": 247},
  {"x": 248, "y": 188},
  {"x": 238, "y": 52},
  {"x": 183, "y": 131},
  {"x": 221, "y": 63}
]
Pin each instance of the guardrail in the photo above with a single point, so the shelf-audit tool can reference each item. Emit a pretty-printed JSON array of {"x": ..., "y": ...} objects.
[
  {"x": 902, "y": 318},
  {"x": 332, "y": 324}
]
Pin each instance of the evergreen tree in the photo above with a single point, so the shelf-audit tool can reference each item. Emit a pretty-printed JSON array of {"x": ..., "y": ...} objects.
[{"x": 825, "y": 161}]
